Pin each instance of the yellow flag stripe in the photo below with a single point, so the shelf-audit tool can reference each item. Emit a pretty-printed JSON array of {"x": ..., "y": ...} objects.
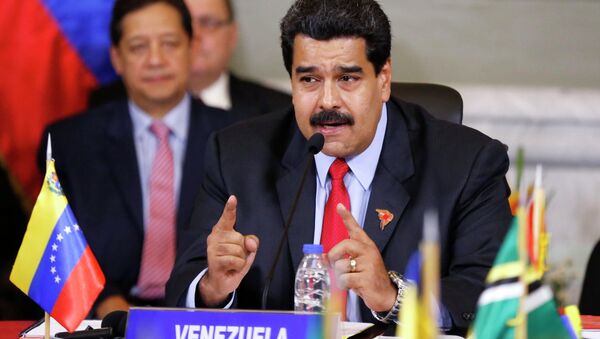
[
  {"x": 512, "y": 270},
  {"x": 409, "y": 314},
  {"x": 48, "y": 208},
  {"x": 505, "y": 271}
]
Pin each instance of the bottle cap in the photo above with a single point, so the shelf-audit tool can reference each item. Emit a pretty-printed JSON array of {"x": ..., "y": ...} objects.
[{"x": 312, "y": 249}]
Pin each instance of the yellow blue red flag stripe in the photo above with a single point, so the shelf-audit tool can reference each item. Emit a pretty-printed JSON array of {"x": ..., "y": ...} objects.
[{"x": 55, "y": 266}]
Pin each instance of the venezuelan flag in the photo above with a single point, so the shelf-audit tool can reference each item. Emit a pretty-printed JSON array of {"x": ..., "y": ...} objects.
[
  {"x": 53, "y": 52},
  {"x": 55, "y": 266}
]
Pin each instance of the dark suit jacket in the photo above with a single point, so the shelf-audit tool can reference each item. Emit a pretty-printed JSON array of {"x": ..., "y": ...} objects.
[
  {"x": 248, "y": 98},
  {"x": 97, "y": 166},
  {"x": 589, "y": 302},
  {"x": 425, "y": 163}
]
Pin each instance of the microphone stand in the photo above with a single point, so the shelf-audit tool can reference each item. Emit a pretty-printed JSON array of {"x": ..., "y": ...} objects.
[{"x": 315, "y": 144}]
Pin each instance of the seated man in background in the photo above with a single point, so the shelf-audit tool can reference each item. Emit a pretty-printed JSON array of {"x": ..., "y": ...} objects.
[
  {"x": 215, "y": 39},
  {"x": 379, "y": 154},
  {"x": 131, "y": 168}
]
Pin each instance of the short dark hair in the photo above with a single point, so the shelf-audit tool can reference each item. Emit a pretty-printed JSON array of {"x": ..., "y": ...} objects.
[
  {"x": 230, "y": 10},
  {"x": 329, "y": 19},
  {"x": 124, "y": 7}
]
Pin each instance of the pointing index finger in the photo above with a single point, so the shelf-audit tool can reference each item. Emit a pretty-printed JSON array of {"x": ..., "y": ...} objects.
[
  {"x": 228, "y": 217},
  {"x": 355, "y": 232}
]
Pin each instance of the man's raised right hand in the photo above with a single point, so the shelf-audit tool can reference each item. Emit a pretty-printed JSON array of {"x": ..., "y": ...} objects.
[{"x": 230, "y": 256}]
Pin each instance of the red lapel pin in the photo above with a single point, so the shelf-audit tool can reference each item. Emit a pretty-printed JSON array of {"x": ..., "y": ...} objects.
[{"x": 385, "y": 217}]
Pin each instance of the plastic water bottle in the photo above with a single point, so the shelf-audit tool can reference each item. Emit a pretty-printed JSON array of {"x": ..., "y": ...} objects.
[{"x": 311, "y": 289}]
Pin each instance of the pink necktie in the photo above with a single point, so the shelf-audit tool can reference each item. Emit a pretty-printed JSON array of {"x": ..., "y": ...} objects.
[
  {"x": 158, "y": 254},
  {"x": 334, "y": 230}
]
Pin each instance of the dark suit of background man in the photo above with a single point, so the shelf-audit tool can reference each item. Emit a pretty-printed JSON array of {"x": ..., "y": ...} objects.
[
  {"x": 107, "y": 159},
  {"x": 215, "y": 39},
  {"x": 401, "y": 159}
]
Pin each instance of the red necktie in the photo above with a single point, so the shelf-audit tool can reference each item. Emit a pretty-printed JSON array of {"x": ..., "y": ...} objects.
[
  {"x": 158, "y": 254},
  {"x": 334, "y": 230}
]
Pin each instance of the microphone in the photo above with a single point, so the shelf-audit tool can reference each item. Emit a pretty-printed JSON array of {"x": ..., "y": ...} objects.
[
  {"x": 314, "y": 146},
  {"x": 113, "y": 327},
  {"x": 117, "y": 320}
]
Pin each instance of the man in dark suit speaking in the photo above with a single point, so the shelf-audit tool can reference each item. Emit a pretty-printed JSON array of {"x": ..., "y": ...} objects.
[
  {"x": 131, "y": 169},
  {"x": 381, "y": 155}
]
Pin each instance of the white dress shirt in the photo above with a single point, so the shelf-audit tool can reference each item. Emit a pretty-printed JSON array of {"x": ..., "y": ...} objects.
[
  {"x": 145, "y": 142},
  {"x": 178, "y": 121},
  {"x": 217, "y": 94}
]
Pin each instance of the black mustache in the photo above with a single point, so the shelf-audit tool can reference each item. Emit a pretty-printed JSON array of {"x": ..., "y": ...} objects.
[{"x": 331, "y": 118}]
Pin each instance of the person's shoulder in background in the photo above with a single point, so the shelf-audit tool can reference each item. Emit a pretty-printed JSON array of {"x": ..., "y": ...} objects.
[
  {"x": 251, "y": 98},
  {"x": 82, "y": 131},
  {"x": 114, "y": 91}
]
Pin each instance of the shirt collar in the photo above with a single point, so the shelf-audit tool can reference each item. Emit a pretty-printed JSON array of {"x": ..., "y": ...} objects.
[
  {"x": 363, "y": 165},
  {"x": 177, "y": 119},
  {"x": 217, "y": 94}
]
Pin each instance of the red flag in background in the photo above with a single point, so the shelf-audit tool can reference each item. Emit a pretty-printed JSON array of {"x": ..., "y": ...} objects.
[{"x": 52, "y": 52}]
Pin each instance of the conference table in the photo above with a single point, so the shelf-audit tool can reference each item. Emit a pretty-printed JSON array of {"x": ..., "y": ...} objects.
[{"x": 10, "y": 329}]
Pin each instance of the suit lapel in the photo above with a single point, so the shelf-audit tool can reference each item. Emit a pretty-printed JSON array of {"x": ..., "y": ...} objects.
[
  {"x": 394, "y": 167},
  {"x": 122, "y": 160},
  {"x": 191, "y": 177},
  {"x": 243, "y": 106},
  {"x": 301, "y": 229}
]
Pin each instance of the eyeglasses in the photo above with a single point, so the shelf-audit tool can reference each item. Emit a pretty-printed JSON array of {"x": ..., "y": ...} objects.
[{"x": 210, "y": 24}]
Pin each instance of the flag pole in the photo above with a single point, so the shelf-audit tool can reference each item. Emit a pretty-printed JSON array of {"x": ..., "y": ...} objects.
[
  {"x": 47, "y": 325},
  {"x": 431, "y": 266},
  {"x": 46, "y": 315},
  {"x": 521, "y": 327},
  {"x": 85, "y": 280},
  {"x": 49, "y": 149},
  {"x": 514, "y": 198},
  {"x": 538, "y": 231}
]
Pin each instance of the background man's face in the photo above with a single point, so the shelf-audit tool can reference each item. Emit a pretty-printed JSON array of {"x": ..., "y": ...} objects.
[
  {"x": 336, "y": 76},
  {"x": 215, "y": 37},
  {"x": 153, "y": 56}
]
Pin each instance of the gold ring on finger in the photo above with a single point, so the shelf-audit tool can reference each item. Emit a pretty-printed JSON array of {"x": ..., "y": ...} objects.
[{"x": 352, "y": 265}]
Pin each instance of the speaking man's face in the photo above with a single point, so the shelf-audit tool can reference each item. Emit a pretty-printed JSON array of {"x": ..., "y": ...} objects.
[
  {"x": 337, "y": 93},
  {"x": 153, "y": 56}
]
